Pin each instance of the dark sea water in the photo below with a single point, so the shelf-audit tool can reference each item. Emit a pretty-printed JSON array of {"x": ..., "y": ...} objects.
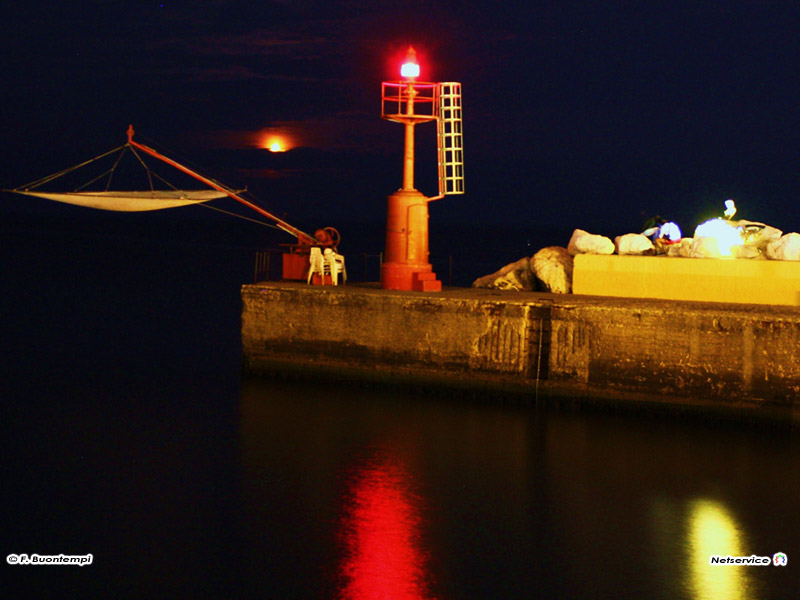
[{"x": 129, "y": 433}]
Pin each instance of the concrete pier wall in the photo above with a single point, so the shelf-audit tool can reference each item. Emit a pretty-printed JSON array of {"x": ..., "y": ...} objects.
[{"x": 708, "y": 356}]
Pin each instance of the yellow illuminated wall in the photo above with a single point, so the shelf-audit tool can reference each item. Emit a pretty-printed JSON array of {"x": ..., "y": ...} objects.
[{"x": 702, "y": 279}]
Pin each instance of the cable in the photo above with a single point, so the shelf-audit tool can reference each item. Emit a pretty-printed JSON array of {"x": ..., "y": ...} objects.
[
  {"x": 37, "y": 183},
  {"x": 233, "y": 214}
]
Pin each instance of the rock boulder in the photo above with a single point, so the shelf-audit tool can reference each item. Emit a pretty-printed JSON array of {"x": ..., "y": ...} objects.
[
  {"x": 514, "y": 276},
  {"x": 552, "y": 269},
  {"x": 633, "y": 243},
  {"x": 785, "y": 248},
  {"x": 583, "y": 242},
  {"x": 704, "y": 247}
]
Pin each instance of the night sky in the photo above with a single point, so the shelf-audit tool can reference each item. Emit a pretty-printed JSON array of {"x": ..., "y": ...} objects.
[{"x": 576, "y": 114}]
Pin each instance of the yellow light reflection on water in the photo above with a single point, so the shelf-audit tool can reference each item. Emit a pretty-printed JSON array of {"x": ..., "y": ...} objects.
[{"x": 713, "y": 530}]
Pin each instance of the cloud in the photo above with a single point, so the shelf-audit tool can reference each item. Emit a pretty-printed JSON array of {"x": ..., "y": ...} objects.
[
  {"x": 263, "y": 43},
  {"x": 336, "y": 131}
]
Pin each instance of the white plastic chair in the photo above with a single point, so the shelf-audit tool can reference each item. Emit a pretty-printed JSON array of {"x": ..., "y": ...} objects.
[
  {"x": 316, "y": 264},
  {"x": 339, "y": 258},
  {"x": 331, "y": 266}
]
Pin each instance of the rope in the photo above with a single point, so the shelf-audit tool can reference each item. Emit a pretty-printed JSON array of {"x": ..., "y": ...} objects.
[
  {"x": 179, "y": 157},
  {"x": 150, "y": 174},
  {"x": 183, "y": 159},
  {"x": 201, "y": 204},
  {"x": 111, "y": 172},
  {"x": 95, "y": 179},
  {"x": 37, "y": 183},
  {"x": 238, "y": 216}
]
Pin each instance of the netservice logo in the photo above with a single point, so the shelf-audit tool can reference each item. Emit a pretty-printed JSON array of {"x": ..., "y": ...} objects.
[{"x": 779, "y": 559}]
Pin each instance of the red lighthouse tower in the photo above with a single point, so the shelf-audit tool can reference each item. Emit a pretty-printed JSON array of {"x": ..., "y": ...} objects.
[{"x": 406, "y": 264}]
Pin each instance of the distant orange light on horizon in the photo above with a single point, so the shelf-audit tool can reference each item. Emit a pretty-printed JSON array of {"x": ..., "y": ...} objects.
[{"x": 276, "y": 141}]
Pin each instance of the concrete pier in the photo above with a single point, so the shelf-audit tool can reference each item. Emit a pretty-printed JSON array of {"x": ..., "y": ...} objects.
[{"x": 727, "y": 359}]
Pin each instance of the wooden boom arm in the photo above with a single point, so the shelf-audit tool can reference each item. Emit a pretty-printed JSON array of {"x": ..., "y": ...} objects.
[{"x": 322, "y": 237}]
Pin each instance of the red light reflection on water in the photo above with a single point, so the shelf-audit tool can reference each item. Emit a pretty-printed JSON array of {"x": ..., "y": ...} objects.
[{"x": 380, "y": 532}]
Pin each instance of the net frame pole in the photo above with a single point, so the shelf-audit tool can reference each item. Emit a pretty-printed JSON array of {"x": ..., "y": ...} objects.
[{"x": 302, "y": 237}]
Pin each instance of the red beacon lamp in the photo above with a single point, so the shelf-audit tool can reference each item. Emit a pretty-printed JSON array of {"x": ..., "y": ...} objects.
[{"x": 406, "y": 263}]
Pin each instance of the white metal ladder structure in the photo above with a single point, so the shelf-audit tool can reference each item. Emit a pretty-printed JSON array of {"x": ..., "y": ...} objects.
[{"x": 449, "y": 140}]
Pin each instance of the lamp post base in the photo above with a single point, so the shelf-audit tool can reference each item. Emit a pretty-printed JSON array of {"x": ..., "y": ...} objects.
[
  {"x": 401, "y": 276},
  {"x": 406, "y": 265}
]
